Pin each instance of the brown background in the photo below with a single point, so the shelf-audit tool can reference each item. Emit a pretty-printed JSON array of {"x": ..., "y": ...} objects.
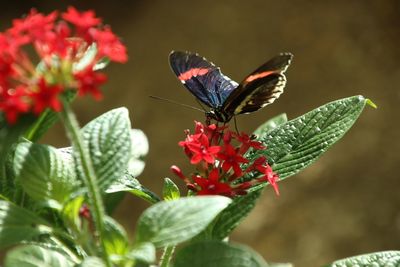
[{"x": 348, "y": 202}]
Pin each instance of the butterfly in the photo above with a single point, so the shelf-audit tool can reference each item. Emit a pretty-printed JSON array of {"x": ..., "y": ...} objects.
[{"x": 225, "y": 97}]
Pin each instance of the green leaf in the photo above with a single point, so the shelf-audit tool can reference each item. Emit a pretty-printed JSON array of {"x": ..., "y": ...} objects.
[
  {"x": 112, "y": 201},
  {"x": 170, "y": 190},
  {"x": 144, "y": 252},
  {"x": 169, "y": 223},
  {"x": 270, "y": 124},
  {"x": 128, "y": 183},
  {"x": 9, "y": 186},
  {"x": 44, "y": 172},
  {"x": 377, "y": 259},
  {"x": 109, "y": 140},
  {"x": 219, "y": 254},
  {"x": 18, "y": 224},
  {"x": 70, "y": 213},
  {"x": 140, "y": 148},
  {"x": 9, "y": 134},
  {"x": 35, "y": 256},
  {"x": 115, "y": 237},
  {"x": 296, "y": 144},
  {"x": 333, "y": 120},
  {"x": 230, "y": 217},
  {"x": 91, "y": 262}
]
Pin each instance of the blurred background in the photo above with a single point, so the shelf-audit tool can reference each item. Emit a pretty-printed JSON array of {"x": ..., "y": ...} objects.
[{"x": 345, "y": 204}]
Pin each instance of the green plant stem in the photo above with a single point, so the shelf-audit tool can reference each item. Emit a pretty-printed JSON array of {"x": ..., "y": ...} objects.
[
  {"x": 166, "y": 256},
  {"x": 35, "y": 127},
  {"x": 3, "y": 178},
  {"x": 84, "y": 161}
]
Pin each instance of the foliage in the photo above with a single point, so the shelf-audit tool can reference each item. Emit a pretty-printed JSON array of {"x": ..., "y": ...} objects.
[{"x": 56, "y": 203}]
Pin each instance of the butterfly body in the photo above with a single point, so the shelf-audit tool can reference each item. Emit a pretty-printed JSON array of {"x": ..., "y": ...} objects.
[{"x": 225, "y": 97}]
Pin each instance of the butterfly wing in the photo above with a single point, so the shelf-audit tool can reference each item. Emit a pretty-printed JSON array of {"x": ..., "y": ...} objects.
[
  {"x": 261, "y": 88},
  {"x": 202, "y": 78}
]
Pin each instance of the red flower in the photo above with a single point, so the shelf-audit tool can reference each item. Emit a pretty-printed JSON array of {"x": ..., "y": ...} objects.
[
  {"x": 212, "y": 186},
  {"x": 198, "y": 148},
  {"x": 207, "y": 129},
  {"x": 231, "y": 159},
  {"x": 84, "y": 212},
  {"x": 89, "y": 81},
  {"x": 214, "y": 148},
  {"x": 258, "y": 163},
  {"x": 185, "y": 146},
  {"x": 248, "y": 142},
  {"x": 227, "y": 138},
  {"x": 109, "y": 45},
  {"x": 212, "y": 131},
  {"x": 55, "y": 42},
  {"x": 201, "y": 150},
  {"x": 13, "y": 103},
  {"x": 33, "y": 27},
  {"x": 82, "y": 20},
  {"x": 46, "y": 96},
  {"x": 6, "y": 70},
  {"x": 60, "y": 47},
  {"x": 177, "y": 171},
  {"x": 270, "y": 177}
]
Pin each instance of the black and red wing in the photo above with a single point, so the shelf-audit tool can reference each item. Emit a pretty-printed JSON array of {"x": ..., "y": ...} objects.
[
  {"x": 261, "y": 88},
  {"x": 202, "y": 78}
]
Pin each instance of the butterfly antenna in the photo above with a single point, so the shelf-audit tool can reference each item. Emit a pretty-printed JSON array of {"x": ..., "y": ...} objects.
[
  {"x": 176, "y": 103},
  {"x": 202, "y": 107}
]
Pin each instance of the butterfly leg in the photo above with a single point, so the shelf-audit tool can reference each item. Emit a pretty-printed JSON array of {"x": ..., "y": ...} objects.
[
  {"x": 208, "y": 120},
  {"x": 221, "y": 135},
  {"x": 236, "y": 128}
]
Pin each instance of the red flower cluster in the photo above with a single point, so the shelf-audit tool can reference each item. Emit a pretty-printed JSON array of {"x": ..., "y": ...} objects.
[
  {"x": 221, "y": 164},
  {"x": 60, "y": 44}
]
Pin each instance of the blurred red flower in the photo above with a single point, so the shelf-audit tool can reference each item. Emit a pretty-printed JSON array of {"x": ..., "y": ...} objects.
[
  {"x": 89, "y": 82},
  {"x": 62, "y": 45},
  {"x": 46, "y": 96}
]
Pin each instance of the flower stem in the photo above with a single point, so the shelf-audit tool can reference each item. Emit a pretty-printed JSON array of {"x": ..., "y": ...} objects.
[
  {"x": 166, "y": 256},
  {"x": 86, "y": 170}
]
